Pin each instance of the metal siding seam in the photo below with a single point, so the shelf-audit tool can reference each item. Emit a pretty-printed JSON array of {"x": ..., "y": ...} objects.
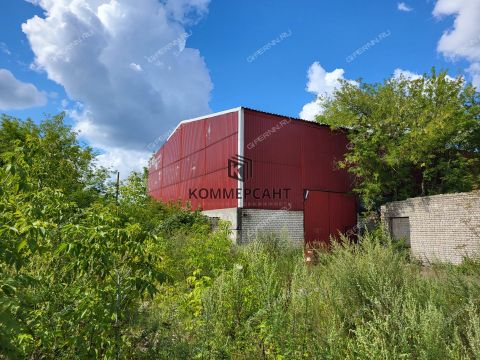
[{"x": 240, "y": 140}]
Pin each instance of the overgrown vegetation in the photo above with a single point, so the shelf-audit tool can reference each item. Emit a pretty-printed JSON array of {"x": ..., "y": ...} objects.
[
  {"x": 365, "y": 301},
  {"x": 84, "y": 276},
  {"x": 76, "y": 265},
  {"x": 409, "y": 137}
]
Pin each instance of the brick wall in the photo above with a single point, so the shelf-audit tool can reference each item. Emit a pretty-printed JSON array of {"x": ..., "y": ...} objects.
[
  {"x": 256, "y": 221},
  {"x": 443, "y": 228}
]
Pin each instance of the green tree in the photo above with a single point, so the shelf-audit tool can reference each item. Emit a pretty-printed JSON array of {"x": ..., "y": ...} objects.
[
  {"x": 54, "y": 156},
  {"x": 77, "y": 267},
  {"x": 73, "y": 265},
  {"x": 408, "y": 137}
]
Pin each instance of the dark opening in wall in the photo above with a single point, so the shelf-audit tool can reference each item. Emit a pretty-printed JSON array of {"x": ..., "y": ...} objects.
[{"x": 400, "y": 228}]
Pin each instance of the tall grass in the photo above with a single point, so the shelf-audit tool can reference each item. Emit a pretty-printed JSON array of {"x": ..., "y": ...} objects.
[{"x": 362, "y": 301}]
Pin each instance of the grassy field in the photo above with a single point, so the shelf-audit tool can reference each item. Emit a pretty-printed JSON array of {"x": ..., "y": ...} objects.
[{"x": 364, "y": 301}]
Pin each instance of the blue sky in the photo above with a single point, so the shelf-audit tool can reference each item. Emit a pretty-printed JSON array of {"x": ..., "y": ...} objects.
[
  {"x": 324, "y": 31},
  {"x": 127, "y": 74}
]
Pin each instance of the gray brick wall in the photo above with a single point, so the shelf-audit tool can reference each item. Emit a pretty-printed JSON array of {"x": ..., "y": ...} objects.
[
  {"x": 257, "y": 221},
  {"x": 443, "y": 228}
]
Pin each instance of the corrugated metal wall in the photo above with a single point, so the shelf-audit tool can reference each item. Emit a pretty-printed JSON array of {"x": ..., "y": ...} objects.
[
  {"x": 328, "y": 214},
  {"x": 195, "y": 157},
  {"x": 285, "y": 153},
  {"x": 289, "y": 153}
]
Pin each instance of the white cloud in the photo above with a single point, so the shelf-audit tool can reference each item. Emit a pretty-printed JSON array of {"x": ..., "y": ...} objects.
[
  {"x": 15, "y": 94},
  {"x": 463, "y": 40},
  {"x": 135, "y": 67},
  {"x": 86, "y": 45},
  {"x": 4, "y": 48},
  {"x": 398, "y": 73},
  {"x": 404, "y": 7},
  {"x": 311, "y": 110},
  {"x": 321, "y": 83},
  {"x": 474, "y": 71},
  {"x": 409, "y": 75},
  {"x": 123, "y": 160}
]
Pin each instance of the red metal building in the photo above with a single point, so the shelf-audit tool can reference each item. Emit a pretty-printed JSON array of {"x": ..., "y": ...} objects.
[{"x": 262, "y": 172}]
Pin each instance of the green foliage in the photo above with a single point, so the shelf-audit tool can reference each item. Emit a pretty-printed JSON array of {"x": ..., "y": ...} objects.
[
  {"x": 363, "y": 301},
  {"x": 85, "y": 275},
  {"x": 76, "y": 266},
  {"x": 51, "y": 157},
  {"x": 409, "y": 137}
]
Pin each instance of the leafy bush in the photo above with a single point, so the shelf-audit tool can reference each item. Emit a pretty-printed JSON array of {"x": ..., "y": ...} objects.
[
  {"x": 86, "y": 275},
  {"x": 364, "y": 300},
  {"x": 76, "y": 265}
]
